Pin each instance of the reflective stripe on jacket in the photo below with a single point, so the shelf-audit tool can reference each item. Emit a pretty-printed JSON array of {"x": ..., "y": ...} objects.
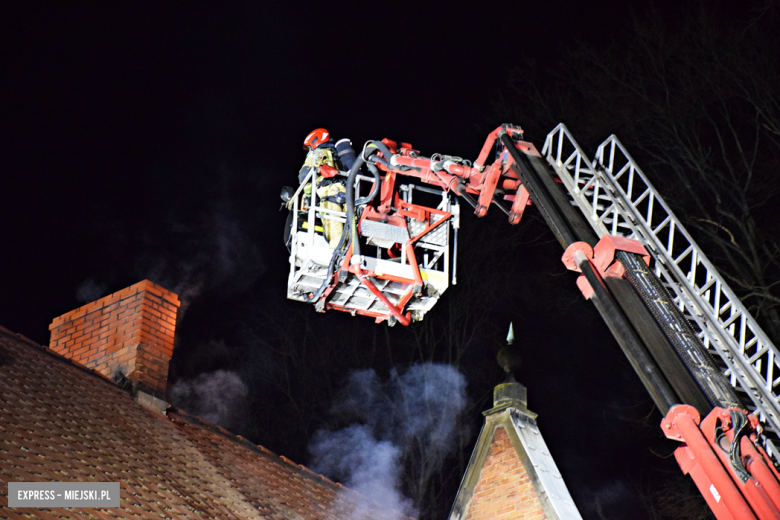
[{"x": 334, "y": 191}]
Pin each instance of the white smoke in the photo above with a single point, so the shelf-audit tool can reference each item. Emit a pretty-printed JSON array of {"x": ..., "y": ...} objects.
[
  {"x": 215, "y": 252},
  {"x": 367, "y": 465},
  {"x": 409, "y": 422},
  {"x": 608, "y": 495},
  {"x": 219, "y": 397},
  {"x": 90, "y": 290}
]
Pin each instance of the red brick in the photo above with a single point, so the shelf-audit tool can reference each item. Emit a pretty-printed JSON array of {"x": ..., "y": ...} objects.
[
  {"x": 134, "y": 326},
  {"x": 154, "y": 289},
  {"x": 91, "y": 327},
  {"x": 172, "y": 298},
  {"x": 504, "y": 489},
  {"x": 126, "y": 314},
  {"x": 98, "y": 343},
  {"x": 153, "y": 312},
  {"x": 108, "y": 333},
  {"x": 111, "y": 298},
  {"x": 61, "y": 339}
]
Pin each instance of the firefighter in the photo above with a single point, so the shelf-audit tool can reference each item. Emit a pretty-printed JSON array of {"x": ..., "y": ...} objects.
[{"x": 326, "y": 158}]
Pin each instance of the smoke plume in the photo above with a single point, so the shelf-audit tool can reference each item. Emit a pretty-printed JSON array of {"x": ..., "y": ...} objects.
[
  {"x": 606, "y": 498},
  {"x": 218, "y": 397},
  {"x": 212, "y": 252},
  {"x": 90, "y": 290},
  {"x": 402, "y": 430},
  {"x": 367, "y": 465}
]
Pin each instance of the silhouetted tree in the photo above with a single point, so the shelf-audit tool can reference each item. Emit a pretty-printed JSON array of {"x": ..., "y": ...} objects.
[{"x": 696, "y": 99}]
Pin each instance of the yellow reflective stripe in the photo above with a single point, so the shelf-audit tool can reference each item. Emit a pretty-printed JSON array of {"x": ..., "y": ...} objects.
[
  {"x": 331, "y": 190},
  {"x": 433, "y": 276},
  {"x": 318, "y": 157},
  {"x": 316, "y": 227}
]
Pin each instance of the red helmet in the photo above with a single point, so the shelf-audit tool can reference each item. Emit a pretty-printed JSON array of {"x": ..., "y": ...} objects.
[{"x": 316, "y": 138}]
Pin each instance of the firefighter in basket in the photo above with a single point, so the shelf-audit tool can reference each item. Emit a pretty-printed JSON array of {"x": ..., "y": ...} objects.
[{"x": 326, "y": 159}]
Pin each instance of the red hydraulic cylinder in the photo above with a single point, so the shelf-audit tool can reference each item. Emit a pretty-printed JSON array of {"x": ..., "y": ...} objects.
[
  {"x": 422, "y": 170},
  {"x": 764, "y": 496},
  {"x": 487, "y": 148},
  {"x": 690, "y": 466},
  {"x": 759, "y": 470},
  {"x": 759, "y": 496},
  {"x": 422, "y": 163},
  {"x": 518, "y": 205},
  {"x": 488, "y": 188},
  {"x": 681, "y": 424}
]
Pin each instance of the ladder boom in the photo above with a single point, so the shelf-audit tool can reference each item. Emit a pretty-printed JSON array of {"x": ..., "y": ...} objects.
[
  {"x": 616, "y": 198},
  {"x": 695, "y": 347}
]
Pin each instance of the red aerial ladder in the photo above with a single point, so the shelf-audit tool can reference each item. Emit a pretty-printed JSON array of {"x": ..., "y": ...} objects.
[{"x": 695, "y": 347}]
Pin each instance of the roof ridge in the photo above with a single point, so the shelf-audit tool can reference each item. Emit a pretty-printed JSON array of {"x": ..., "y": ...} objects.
[
  {"x": 20, "y": 336},
  {"x": 46, "y": 350},
  {"x": 193, "y": 419},
  {"x": 215, "y": 428},
  {"x": 177, "y": 415}
]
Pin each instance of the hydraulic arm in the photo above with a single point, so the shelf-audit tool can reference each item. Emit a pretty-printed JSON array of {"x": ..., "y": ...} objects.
[{"x": 695, "y": 349}]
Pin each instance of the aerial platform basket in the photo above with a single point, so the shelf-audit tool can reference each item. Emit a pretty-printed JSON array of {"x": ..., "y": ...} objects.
[{"x": 406, "y": 261}]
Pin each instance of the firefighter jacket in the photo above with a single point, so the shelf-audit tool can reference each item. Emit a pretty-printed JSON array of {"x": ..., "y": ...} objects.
[
  {"x": 328, "y": 189},
  {"x": 316, "y": 158}
]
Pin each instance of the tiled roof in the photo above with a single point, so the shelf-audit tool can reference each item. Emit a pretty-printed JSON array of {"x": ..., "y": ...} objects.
[{"x": 61, "y": 422}]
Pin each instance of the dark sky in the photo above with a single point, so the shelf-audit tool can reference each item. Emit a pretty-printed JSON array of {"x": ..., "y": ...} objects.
[
  {"x": 151, "y": 140},
  {"x": 117, "y": 119}
]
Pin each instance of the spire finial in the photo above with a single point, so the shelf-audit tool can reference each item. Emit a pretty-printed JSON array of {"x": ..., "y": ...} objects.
[{"x": 509, "y": 357}]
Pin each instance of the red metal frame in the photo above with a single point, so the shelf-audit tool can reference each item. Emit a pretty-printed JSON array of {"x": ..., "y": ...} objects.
[
  {"x": 721, "y": 453},
  {"x": 401, "y": 210},
  {"x": 745, "y": 487},
  {"x": 452, "y": 176},
  {"x": 449, "y": 174},
  {"x": 602, "y": 257}
]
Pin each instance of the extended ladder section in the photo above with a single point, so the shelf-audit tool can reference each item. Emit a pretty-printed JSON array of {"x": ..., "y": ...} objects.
[
  {"x": 686, "y": 333},
  {"x": 693, "y": 345},
  {"x": 616, "y": 198}
]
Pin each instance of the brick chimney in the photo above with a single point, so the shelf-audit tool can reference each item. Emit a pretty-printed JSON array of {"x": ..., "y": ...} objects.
[{"x": 128, "y": 333}]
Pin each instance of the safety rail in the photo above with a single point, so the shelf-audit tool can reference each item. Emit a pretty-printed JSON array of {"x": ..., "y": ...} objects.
[
  {"x": 616, "y": 198},
  {"x": 319, "y": 212},
  {"x": 390, "y": 282}
]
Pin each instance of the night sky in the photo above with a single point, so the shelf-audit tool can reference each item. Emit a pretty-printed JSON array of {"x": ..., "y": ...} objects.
[{"x": 151, "y": 140}]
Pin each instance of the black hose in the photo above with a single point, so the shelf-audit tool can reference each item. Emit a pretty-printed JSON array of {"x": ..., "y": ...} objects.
[
  {"x": 350, "y": 228},
  {"x": 349, "y": 231},
  {"x": 374, "y": 189},
  {"x": 378, "y": 146},
  {"x": 337, "y": 253},
  {"x": 382, "y": 147},
  {"x": 381, "y": 161}
]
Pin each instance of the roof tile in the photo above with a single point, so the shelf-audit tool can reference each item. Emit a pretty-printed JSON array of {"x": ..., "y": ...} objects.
[{"x": 62, "y": 422}]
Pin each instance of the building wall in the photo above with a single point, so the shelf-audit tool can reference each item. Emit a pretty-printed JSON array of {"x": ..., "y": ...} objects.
[{"x": 504, "y": 490}]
